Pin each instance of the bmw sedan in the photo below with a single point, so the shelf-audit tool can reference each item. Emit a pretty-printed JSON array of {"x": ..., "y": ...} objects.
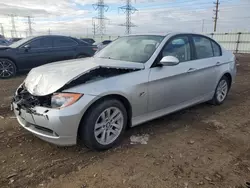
[
  {"x": 31, "y": 52},
  {"x": 133, "y": 80}
]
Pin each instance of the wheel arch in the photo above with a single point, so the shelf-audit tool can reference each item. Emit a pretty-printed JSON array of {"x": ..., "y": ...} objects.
[
  {"x": 13, "y": 60},
  {"x": 229, "y": 77},
  {"x": 119, "y": 97}
]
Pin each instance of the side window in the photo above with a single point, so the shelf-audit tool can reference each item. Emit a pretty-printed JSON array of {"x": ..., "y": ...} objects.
[
  {"x": 216, "y": 48},
  {"x": 63, "y": 42},
  {"x": 35, "y": 43},
  {"x": 46, "y": 42},
  {"x": 203, "y": 47},
  {"x": 178, "y": 47}
]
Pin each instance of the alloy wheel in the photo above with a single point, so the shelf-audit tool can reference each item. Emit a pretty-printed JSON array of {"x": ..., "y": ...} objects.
[
  {"x": 6, "y": 68},
  {"x": 222, "y": 90},
  {"x": 109, "y": 125}
]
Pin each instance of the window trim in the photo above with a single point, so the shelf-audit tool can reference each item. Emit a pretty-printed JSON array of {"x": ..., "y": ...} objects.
[
  {"x": 210, "y": 40},
  {"x": 76, "y": 43},
  {"x": 34, "y": 39},
  {"x": 157, "y": 59}
]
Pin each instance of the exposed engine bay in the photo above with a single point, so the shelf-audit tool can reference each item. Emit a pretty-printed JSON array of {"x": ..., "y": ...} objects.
[{"x": 27, "y": 101}]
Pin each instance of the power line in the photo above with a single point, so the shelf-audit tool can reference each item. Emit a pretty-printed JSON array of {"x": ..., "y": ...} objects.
[
  {"x": 101, "y": 7},
  {"x": 29, "y": 25},
  {"x": 13, "y": 30},
  {"x": 216, "y": 14},
  {"x": 128, "y": 9},
  {"x": 2, "y": 29}
]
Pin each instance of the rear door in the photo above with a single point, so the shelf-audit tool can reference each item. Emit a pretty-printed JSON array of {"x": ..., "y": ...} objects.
[
  {"x": 64, "y": 48},
  {"x": 208, "y": 58}
]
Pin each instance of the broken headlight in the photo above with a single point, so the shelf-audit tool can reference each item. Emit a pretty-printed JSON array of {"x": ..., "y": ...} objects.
[{"x": 61, "y": 100}]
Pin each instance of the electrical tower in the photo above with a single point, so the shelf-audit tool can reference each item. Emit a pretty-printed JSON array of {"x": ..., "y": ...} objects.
[
  {"x": 216, "y": 14},
  {"x": 101, "y": 8},
  {"x": 30, "y": 25},
  {"x": 128, "y": 10},
  {"x": 2, "y": 30},
  {"x": 94, "y": 27},
  {"x": 13, "y": 30}
]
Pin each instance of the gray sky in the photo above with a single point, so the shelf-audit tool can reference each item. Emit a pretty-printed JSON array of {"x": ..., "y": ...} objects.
[{"x": 74, "y": 17}]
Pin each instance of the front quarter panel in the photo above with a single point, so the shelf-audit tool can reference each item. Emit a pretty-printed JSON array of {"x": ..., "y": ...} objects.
[{"x": 132, "y": 86}]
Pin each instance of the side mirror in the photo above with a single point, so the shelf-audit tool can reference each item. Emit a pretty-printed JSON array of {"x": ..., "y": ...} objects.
[
  {"x": 169, "y": 61},
  {"x": 27, "y": 47}
]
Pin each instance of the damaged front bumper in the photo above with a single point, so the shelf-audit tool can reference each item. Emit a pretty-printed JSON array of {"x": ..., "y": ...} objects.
[{"x": 57, "y": 126}]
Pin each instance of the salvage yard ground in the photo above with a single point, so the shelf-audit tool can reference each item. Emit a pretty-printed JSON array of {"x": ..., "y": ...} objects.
[{"x": 204, "y": 146}]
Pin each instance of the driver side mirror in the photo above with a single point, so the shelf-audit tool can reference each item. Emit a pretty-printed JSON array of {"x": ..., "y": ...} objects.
[
  {"x": 26, "y": 47},
  {"x": 169, "y": 61}
]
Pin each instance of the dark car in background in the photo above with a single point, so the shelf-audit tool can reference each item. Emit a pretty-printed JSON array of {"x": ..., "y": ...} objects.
[
  {"x": 4, "y": 42},
  {"x": 102, "y": 44},
  {"x": 88, "y": 40},
  {"x": 31, "y": 52}
]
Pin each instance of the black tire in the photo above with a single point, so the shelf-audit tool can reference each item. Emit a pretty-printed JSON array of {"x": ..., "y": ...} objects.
[
  {"x": 7, "y": 68},
  {"x": 215, "y": 100},
  {"x": 86, "y": 132}
]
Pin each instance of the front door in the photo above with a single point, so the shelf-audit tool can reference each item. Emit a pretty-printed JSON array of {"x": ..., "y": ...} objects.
[
  {"x": 37, "y": 54},
  {"x": 172, "y": 86}
]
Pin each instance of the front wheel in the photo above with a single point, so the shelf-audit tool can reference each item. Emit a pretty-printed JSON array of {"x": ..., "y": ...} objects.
[
  {"x": 221, "y": 91},
  {"x": 7, "y": 68},
  {"x": 104, "y": 125}
]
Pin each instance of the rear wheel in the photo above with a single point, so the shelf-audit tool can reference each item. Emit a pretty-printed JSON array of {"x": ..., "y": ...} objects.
[
  {"x": 7, "y": 68},
  {"x": 221, "y": 91},
  {"x": 104, "y": 125}
]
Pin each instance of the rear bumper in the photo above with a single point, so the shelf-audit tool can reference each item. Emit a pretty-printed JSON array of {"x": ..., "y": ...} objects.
[{"x": 57, "y": 126}]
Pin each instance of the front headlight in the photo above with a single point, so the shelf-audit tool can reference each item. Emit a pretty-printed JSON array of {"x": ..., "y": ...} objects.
[{"x": 61, "y": 100}]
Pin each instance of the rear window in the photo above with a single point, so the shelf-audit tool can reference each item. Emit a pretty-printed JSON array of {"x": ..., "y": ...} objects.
[
  {"x": 203, "y": 47},
  {"x": 63, "y": 42},
  {"x": 216, "y": 49}
]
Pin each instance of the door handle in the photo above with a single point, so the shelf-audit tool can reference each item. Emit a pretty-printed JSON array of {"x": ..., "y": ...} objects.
[
  {"x": 218, "y": 63},
  {"x": 191, "y": 70}
]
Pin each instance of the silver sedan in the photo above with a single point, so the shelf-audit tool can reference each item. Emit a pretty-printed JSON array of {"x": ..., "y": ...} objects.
[{"x": 133, "y": 80}]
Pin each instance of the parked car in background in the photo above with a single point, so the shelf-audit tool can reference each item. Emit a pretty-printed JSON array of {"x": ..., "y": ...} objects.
[
  {"x": 88, "y": 40},
  {"x": 102, "y": 44},
  {"x": 133, "y": 80},
  {"x": 4, "y": 42},
  {"x": 12, "y": 40},
  {"x": 35, "y": 51}
]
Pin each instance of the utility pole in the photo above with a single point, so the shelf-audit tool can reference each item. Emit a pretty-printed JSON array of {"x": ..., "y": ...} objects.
[
  {"x": 128, "y": 10},
  {"x": 101, "y": 7},
  {"x": 13, "y": 30},
  {"x": 30, "y": 25},
  {"x": 203, "y": 22},
  {"x": 216, "y": 14},
  {"x": 2, "y": 30},
  {"x": 94, "y": 27},
  {"x": 49, "y": 31}
]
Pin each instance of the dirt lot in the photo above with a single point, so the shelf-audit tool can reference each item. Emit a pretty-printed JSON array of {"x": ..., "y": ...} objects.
[{"x": 204, "y": 146}]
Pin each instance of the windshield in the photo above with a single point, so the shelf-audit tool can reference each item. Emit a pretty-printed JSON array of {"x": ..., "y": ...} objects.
[
  {"x": 20, "y": 42},
  {"x": 131, "y": 48}
]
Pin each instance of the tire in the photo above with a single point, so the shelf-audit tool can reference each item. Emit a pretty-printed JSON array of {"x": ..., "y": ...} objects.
[
  {"x": 97, "y": 131},
  {"x": 221, "y": 91},
  {"x": 7, "y": 68}
]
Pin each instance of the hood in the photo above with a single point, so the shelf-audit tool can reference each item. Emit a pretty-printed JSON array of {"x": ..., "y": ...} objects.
[
  {"x": 4, "y": 47},
  {"x": 49, "y": 78}
]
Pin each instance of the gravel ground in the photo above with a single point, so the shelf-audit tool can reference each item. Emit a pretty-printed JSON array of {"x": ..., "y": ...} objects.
[{"x": 203, "y": 146}]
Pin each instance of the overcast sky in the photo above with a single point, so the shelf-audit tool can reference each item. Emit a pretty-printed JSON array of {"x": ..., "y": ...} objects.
[{"x": 74, "y": 17}]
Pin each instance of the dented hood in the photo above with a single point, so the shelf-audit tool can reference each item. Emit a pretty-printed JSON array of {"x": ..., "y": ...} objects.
[{"x": 49, "y": 78}]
